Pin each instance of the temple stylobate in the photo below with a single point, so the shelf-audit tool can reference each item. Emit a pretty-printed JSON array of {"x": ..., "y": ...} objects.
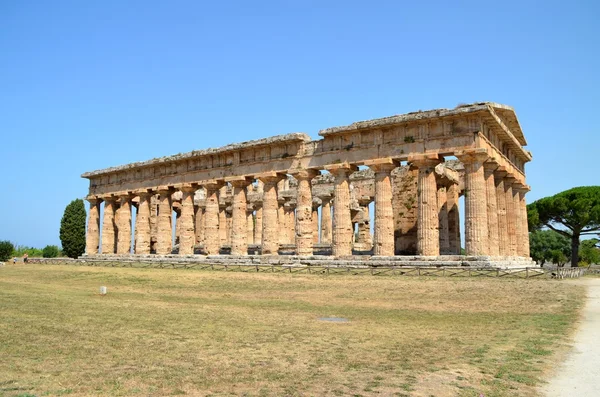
[{"x": 388, "y": 187}]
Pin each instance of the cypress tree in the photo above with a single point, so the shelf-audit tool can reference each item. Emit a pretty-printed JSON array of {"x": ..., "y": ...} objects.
[{"x": 72, "y": 229}]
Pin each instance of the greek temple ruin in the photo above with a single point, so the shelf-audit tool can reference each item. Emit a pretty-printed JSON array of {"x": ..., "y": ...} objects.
[{"x": 388, "y": 187}]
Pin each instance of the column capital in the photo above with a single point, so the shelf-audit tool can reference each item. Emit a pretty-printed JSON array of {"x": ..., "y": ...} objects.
[
  {"x": 143, "y": 192},
  {"x": 343, "y": 167},
  {"x": 270, "y": 177},
  {"x": 109, "y": 198},
  {"x": 472, "y": 155},
  {"x": 164, "y": 189},
  {"x": 215, "y": 184},
  {"x": 424, "y": 160},
  {"x": 305, "y": 173},
  {"x": 382, "y": 165},
  {"x": 187, "y": 187},
  {"x": 518, "y": 187},
  {"x": 93, "y": 200},
  {"x": 500, "y": 173},
  {"x": 490, "y": 166},
  {"x": 239, "y": 181}
]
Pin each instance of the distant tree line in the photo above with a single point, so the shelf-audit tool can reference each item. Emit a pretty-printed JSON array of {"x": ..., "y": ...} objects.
[{"x": 9, "y": 250}]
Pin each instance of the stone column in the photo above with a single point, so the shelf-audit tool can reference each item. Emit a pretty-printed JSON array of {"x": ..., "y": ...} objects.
[
  {"x": 364, "y": 230},
  {"x": 476, "y": 230},
  {"x": 187, "y": 236},
  {"x": 523, "y": 248},
  {"x": 281, "y": 223},
  {"x": 123, "y": 223},
  {"x": 384, "y": 216},
  {"x": 153, "y": 221},
  {"x": 291, "y": 223},
  {"x": 304, "y": 221},
  {"x": 224, "y": 231},
  {"x": 270, "y": 206},
  {"x": 92, "y": 237},
  {"x": 315, "y": 223},
  {"x": 428, "y": 235},
  {"x": 142, "y": 224},
  {"x": 164, "y": 237},
  {"x": 199, "y": 224},
  {"x": 250, "y": 225},
  {"x": 212, "y": 240},
  {"x": 342, "y": 223},
  {"x": 258, "y": 221},
  {"x": 492, "y": 208},
  {"x": 511, "y": 215},
  {"x": 326, "y": 224},
  {"x": 518, "y": 218},
  {"x": 239, "y": 227},
  {"x": 503, "y": 239},
  {"x": 452, "y": 193},
  {"x": 442, "y": 202},
  {"x": 177, "y": 211},
  {"x": 109, "y": 237}
]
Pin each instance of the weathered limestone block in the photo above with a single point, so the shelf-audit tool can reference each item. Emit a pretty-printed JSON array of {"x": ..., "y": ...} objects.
[
  {"x": 142, "y": 224},
  {"x": 199, "y": 223},
  {"x": 109, "y": 235},
  {"x": 187, "y": 237},
  {"x": 315, "y": 223},
  {"x": 258, "y": 219},
  {"x": 384, "y": 217},
  {"x": 326, "y": 221},
  {"x": 342, "y": 224},
  {"x": 164, "y": 237},
  {"x": 270, "y": 208},
  {"x": 250, "y": 225},
  {"x": 428, "y": 238},
  {"x": 123, "y": 223},
  {"x": 404, "y": 205},
  {"x": 364, "y": 240},
  {"x": 304, "y": 221},
  {"x": 239, "y": 226},
  {"x": 476, "y": 230},
  {"x": 492, "y": 208},
  {"x": 282, "y": 224},
  {"x": 503, "y": 239},
  {"x": 153, "y": 221},
  {"x": 212, "y": 239},
  {"x": 442, "y": 203},
  {"x": 92, "y": 237},
  {"x": 452, "y": 194},
  {"x": 511, "y": 215},
  {"x": 523, "y": 246}
]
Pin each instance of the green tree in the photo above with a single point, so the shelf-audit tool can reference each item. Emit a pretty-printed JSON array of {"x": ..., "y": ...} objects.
[
  {"x": 50, "y": 251},
  {"x": 72, "y": 229},
  {"x": 6, "y": 250},
  {"x": 548, "y": 245},
  {"x": 589, "y": 251},
  {"x": 572, "y": 213}
]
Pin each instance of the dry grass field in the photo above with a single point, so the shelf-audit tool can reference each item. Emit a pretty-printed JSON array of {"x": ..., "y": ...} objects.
[{"x": 186, "y": 332}]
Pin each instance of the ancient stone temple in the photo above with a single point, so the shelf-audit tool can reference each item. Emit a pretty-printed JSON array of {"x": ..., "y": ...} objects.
[{"x": 383, "y": 188}]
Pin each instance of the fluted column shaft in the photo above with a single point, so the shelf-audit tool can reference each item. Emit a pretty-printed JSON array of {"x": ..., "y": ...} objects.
[
  {"x": 304, "y": 221},
  {"x": 428, "y": 236},
  {"x": 123, "y": 222},
  {"x": 442, "y": 202},
  {"x": 524, "y": 249},
  {"x": 164, "y": 237},
  {"x": 476, "y": 219},
  {"x": 109, "y": 237},
  {"x": 492, "y": 209},
  {"x": 453, "y": 219},
  {"x": 142, "y": 225},
  {"x": 270, "y": 207},
  {"x": 282, "y": 222},
  {"x": 239, "y": 221},
  {"x": 315, "y": 224},
  {"x": 212, "y": 240},
  {"x": 364, "y": 230},
  {"x": 250, "y": 226},
  {"x": 92, "y": 237},
  {"x": 511, "y": 216},
  {"x": 187, "y": 236},
  {"x": 199, "y": 224},
  {"x": 384, "y": 216},
  {"x": 518, "y": 219},
  {"x": 258, "y": 229},
  {"x": 342, "y": 223},
  {"x": 326, "y": 223},
  {"x": 503, "y": 239}
]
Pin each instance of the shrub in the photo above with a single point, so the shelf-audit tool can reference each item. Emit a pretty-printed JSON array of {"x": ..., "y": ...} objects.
[
  {"x": 50, "y": 251},
  {"x": 6, "y": 250},
  {"x": 72, "y": 229}
]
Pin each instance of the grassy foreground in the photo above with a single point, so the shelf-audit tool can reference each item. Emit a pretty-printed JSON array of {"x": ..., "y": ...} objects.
[{"x": 185, "y": 332}]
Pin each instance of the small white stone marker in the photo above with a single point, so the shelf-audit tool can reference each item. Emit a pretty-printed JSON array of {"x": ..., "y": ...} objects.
[{"x": 102, "y": 290}]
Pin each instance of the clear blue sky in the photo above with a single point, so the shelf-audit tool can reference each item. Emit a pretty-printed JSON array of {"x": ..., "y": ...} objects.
[{"x": 87, "y": 85}]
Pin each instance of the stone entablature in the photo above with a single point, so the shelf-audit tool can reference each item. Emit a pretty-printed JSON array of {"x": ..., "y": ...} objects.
[{"x": 271, "y": 193}]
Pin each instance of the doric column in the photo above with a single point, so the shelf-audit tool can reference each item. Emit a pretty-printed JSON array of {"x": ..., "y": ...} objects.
[
  {"x": 326, "y": 224},
  {"x": 428, "y": 235},
  {"x": 315, "y": 223},
  {"x": 92, "y": 237},
  {"x": 523, "y": 238},
  {"x": 452, "y": 193},
  {"x": 384, "y": 216},
  {"x": 492, "y": 208},
  {"x": 270, "y": 225},
  {"x": 224, "y": 230},
  {"x": 304, "y": 222},
  {"x": 239, "y": 239},
  {"x": 153, "y": 221},
  {"x": 199, "y": 224},
  {"x": 442, "y": 203},
  {"x": 511, "y": 215},
  {"x": 123, "y": 223},
  {"x": 503, "y": 239},
  {"x": 281, "y": 223},
  {"x": 177, "y": 211},
  {"x": 476, "y": 230},
  {"x": 250, "y": 225},
  {"x": 291, "y": 223},
  {"x": 212, "y": 240},
  {"x": 109, "y": 237},
  {"x": 342, "y": 223},
  {"x": 164, "y": 237},
  {"x": 187, "y": 236},
  {"x": 142, "y": 224},
  {"x": 258, "y": 221}
]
